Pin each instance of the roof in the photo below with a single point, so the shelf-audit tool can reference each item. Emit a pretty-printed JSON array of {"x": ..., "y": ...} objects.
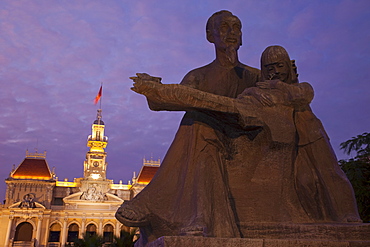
[
  {"x": 146, "y": 174},
  {"x": 32, "y": 168},
  {"x": 99, "y": 122}
]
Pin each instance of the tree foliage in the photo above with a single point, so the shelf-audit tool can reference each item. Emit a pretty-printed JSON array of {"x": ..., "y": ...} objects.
[
  {"x": 126, "y": 240},
  {"x": 360, "y": 144},
  {"x": 357, "y": 170},
  {"x": 88, "y": 241}
]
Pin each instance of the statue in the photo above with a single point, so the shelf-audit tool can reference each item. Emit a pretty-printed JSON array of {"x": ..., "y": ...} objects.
[
  {"x": 189, "y": 194},
  {"x": 94, "y": 193},
  {"x": 297, "y": 179},
  {"x": 28, "y": 201},
  {"x": 246, "y": 151},
  {"x": 322, "y": 187}
]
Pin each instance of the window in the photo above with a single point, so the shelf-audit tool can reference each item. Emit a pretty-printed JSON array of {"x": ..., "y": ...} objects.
[
  {"x": 91, "y": 230},
  {"x": 58, "y": 201},
  {"x": 23, "y": 232},
  {"x": 125, "y": 233},
  {"x": 108, "y": 233},
  {"x": 72, "y": 232},
  {"x": 54, "y": 234}
]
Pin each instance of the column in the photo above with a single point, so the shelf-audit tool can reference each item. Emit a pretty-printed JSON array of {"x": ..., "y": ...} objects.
[
  {"x": 8, "y": 231},
  {"x": 118, "y": 230},
  {"x": 83, "y": 226},
  {"x": 64, "y": 233},
  {"x": 100, "y": 231},
  {"x": 47, "y": 231},
  {"x": 38, "y": 230}
]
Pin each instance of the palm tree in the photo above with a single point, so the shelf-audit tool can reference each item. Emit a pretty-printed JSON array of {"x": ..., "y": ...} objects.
[
  {"x": 126, "y": 239},
  {"x": 359, "y": 144},
  {"x": 88, "y": 241},
  {"x": 357, "y": 170}
]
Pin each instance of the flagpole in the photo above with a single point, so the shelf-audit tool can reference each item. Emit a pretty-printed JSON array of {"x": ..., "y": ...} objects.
[
  {"x": 98, "y": 98},
  {"x": 101, "y": 98}
]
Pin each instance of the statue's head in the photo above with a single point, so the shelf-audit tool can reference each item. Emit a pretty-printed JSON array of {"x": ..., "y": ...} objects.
[
  {"x": 276, "y": 65},
  {"x": 224, "y": 30}
]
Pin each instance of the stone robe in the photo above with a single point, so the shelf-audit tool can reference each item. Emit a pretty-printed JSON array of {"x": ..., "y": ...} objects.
[
  {"x": 234, "y": 162},
  {"x": 190, "y": 189}
]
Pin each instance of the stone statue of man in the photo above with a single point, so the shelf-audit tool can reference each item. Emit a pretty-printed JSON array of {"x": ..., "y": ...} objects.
[{"x": 189, "y": 195}]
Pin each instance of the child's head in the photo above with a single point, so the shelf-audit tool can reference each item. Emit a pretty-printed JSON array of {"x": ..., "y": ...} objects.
[{"x": 276, "y": 65}]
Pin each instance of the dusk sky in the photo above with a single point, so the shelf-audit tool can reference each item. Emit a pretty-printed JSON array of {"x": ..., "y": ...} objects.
[{"x": 55, "y": 54}]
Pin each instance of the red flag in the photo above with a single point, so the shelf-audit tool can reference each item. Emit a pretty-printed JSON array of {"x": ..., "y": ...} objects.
[{"x": 97, "y": 98}]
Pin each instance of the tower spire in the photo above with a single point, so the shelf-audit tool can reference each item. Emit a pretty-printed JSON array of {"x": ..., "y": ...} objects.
[
  {"x": 98, "y": 114},
  {"x": 95, "y": 184},
  {"x": 95, "y": 164}
]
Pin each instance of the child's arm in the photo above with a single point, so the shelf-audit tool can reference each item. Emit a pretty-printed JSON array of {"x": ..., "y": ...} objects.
[{"x": 298, "y": 93}]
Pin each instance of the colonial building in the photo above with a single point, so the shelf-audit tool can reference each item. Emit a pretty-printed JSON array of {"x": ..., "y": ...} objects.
[{"x": 40, "y": 210}]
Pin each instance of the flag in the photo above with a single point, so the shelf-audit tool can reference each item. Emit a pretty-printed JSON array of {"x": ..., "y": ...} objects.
[{"x": 97, "y": 98}]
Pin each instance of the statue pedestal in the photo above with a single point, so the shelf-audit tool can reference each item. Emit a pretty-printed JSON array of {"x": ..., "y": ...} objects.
[
  {"x": 332, "y": 232},
  {"x": 280, "y": 235}
]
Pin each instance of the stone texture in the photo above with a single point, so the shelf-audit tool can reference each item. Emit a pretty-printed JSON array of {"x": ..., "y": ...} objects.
[
  {"x": 332, "y": 232},
  {"x": 179, "y": 241},
  {"x": 280, "y": 235}
]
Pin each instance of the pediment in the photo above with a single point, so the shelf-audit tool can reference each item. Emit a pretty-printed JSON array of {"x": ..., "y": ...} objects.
[
  {"x": 79, "y": 198},
  {"x": 73, "y": 197},
  {"x": 19, "y": 206}
]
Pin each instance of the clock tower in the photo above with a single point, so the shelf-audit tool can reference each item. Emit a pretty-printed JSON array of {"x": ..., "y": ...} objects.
[
  {"x": 95, "y": 184},
  {"x": 95, "y": 166}
]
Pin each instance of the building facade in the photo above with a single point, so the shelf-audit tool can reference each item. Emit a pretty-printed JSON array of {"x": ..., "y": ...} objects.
[{"x": 40, "y": 210}]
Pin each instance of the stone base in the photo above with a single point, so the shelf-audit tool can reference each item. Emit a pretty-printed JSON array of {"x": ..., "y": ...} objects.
[
  {"x": 280, "y": 235},
  {"x": 337, "y": 231},
  {"x": 183, "y": 241}
]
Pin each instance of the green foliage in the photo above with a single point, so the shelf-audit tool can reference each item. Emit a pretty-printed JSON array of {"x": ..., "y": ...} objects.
[
  {"x": 357, "y": 170},
  {"x": 126, "y": 240},
  {"x": 89, "y": 241},
  {"x": 359, "y": 144}
]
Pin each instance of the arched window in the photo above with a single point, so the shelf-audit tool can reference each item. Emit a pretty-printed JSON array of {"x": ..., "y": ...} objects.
[
  {"x": 72, "y": 232},
  {"x": 91, "y": 230},
  {"x": 54, "y": 234},
  {"x": 23, "y": 232},
  {"x": 125, "y": 233},
  {"x": 108, "y": 233}
]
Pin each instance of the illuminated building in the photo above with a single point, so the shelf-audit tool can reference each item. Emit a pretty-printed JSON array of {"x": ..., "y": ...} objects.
[{"x": 40, "y": 210}]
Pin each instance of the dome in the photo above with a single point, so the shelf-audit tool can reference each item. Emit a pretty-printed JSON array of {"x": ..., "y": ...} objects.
[{"x": 97, "y": 122}]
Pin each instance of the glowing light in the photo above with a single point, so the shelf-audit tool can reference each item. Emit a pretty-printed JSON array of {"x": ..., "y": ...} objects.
[
  {"x": 120, "y": 186},
  {"x": 66, "y": 184},
  {"x": 31, "y": 177},
  {"x": 95, "y": 176}
]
